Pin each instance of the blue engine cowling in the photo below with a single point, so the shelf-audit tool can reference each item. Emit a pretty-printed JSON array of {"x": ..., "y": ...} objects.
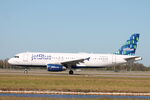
[{"x": 55, "y": 67}]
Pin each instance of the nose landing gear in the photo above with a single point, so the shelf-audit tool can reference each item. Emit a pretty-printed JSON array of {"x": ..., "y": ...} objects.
[{"x": 25, "y": 71}]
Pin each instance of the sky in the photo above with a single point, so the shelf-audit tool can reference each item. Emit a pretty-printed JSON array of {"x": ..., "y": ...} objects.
[{"x": 92, "y": 26}]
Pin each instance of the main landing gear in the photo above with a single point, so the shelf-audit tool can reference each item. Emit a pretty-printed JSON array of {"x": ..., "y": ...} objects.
[{"x": 71, "y": 72}]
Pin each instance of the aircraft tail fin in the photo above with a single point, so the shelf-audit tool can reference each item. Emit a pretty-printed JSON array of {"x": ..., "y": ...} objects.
[{"x": 130, "y": 46}]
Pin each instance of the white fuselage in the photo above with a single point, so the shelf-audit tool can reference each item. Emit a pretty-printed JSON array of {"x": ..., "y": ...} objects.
[{"x": 42, "y": 59}]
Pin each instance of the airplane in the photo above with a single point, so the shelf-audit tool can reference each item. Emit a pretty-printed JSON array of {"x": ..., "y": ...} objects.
[{"x": 63, "y": 61}]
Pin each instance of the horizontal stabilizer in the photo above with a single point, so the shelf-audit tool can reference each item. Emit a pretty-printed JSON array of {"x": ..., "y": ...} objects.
[{"x": 136, "y": 58}]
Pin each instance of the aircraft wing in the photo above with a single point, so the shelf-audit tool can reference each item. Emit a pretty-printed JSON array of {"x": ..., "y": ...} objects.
[
  {"x": 135, "y": 58},
  {"x": 74, "y": 62}
]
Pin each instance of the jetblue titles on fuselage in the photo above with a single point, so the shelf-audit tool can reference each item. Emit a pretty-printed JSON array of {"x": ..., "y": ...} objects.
[{"x": 40, "y": 57}]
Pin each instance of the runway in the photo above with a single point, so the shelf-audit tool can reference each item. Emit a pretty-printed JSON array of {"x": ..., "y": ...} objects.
[{"x": 86, "y": 73}]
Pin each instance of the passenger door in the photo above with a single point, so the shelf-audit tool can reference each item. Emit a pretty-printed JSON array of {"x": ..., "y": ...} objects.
[{"x": 25, "y": 58}]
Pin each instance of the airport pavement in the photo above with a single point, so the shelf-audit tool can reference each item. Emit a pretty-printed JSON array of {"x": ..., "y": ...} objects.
[{"x": 86, "y": 73}]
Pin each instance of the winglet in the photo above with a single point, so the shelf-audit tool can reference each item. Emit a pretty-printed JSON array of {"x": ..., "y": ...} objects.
[{"x": 87, "y": 59}]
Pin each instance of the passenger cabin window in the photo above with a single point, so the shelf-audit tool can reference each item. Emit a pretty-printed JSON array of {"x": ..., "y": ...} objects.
[{"x": 16, "y": 56}]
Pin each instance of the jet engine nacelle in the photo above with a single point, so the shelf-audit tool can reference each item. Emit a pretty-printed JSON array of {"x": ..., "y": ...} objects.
[{"x": 55, "y": 67}]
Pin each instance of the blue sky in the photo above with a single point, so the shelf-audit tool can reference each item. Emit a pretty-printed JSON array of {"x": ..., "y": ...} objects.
[{"x": 93, "y": 26}]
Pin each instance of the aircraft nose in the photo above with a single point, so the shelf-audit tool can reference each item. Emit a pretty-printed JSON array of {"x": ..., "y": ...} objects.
[{"x": 10, "y": 61}]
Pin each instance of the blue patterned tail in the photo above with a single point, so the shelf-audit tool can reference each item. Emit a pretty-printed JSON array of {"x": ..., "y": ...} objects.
[{"x": 130, "y": 47}]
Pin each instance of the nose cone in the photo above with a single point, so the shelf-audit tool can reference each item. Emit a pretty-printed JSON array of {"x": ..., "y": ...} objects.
[{"x": 10, "y": 61}]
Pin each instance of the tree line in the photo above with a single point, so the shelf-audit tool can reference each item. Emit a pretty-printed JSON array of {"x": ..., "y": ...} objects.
[
  {"x": 129, "y": 67},
  {"x": 4, "y": 64},
  {"x": 125, "y": 67}
]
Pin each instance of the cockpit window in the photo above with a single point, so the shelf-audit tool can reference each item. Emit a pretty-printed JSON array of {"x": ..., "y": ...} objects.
[{"x": 16, "y": 56}]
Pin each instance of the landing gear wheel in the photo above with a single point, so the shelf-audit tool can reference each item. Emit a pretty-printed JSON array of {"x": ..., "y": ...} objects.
[
  {"x": 71, "y": 72},
  {"x": 25, "y": 71}
]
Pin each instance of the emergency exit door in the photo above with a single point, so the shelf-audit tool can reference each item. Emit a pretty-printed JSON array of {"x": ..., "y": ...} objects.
[{"x": 113, "y": 59}]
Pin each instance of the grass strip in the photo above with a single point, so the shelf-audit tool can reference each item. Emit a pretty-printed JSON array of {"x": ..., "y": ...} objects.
[{"x": 74, "y": 83}]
